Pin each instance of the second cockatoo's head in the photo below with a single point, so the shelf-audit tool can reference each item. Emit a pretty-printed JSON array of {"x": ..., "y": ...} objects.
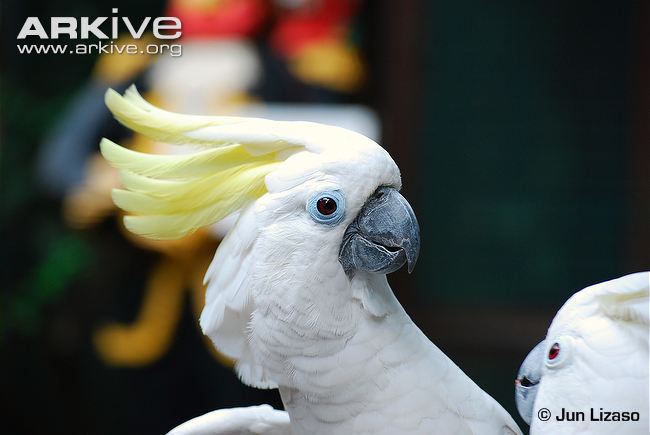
[
  {"x": 319, "y": 205},
  {"x": 595, "y": 356}
]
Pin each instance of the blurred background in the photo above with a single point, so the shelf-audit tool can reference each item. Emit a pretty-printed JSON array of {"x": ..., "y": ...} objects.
[{"x": 521, "y": 129}]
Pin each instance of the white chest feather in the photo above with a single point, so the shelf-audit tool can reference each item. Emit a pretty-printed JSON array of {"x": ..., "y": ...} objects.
[{"x": 341, "y": 369}]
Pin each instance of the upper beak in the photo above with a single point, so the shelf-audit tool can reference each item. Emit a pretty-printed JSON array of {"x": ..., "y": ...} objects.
[
  {"x": 383, "y": 237},
  {"x": 525, "y": 394}
]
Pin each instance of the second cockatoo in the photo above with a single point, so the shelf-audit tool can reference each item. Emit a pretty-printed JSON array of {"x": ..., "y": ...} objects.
[
  {"x": 297, "y": 292},
  {"x": 590, "y": 375}
]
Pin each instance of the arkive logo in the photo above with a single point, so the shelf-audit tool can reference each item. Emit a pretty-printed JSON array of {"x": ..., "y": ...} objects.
[{"x": 83, "y": 27}]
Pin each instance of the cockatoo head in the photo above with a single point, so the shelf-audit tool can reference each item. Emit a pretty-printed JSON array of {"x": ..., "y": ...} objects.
[
  {"x": 595, "y": 355},
  {"x": 336, "y": 205},
  {"x": 319, "y": 211}
]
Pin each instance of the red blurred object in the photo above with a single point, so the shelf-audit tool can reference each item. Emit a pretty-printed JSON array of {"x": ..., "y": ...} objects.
[
  {"x": 227, "y": 18},
  {"x": 314, "y": 21}
]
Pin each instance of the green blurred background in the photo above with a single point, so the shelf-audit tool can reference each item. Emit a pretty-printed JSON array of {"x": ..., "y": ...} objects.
[{"x": 521, "y": 129}]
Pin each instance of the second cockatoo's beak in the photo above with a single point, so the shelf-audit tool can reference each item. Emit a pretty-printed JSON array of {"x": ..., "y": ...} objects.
[
  {"x": 384, "y": 236},
  {"x": 527, "y": 382}
]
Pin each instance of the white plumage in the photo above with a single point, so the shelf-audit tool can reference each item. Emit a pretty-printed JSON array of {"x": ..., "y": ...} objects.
[
  {"x": 254, "y": 420},
  {"x": 345, "y": 356},
  {"x": 600, "y": 363}
]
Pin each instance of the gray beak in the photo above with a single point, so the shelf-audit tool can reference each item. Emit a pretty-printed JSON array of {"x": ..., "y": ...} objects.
[
  {"x": 527, "y": 382},
  {"x": 384, "y": 236}
]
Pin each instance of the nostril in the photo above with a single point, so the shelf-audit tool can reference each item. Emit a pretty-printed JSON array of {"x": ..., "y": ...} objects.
[{"x": 525, "y": 382}]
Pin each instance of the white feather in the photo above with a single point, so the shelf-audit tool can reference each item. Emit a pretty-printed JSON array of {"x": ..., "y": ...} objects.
[{"x": 253, "y": 420}]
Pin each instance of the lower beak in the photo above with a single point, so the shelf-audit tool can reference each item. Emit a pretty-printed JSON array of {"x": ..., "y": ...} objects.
[{"x": 384, "y": 236}]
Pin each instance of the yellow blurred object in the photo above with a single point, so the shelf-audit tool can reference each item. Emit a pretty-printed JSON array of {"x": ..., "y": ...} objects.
[
  {"x": 116, "y": 67},
  {"x": 91, "y": 201},
  {"x": 198, "y": 5},
  {"x": 331, "y": 63},
  {"x": 182, "y": 263},
  {"x": 151, "y": 334},
  {"x": 233, "y": 103}
]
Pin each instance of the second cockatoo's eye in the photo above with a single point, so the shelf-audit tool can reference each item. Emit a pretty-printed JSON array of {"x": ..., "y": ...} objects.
[
  {"x": 554, "y": 351},
  {"x": 559, "y": 352},
  {"x": 327, "y": 207}
]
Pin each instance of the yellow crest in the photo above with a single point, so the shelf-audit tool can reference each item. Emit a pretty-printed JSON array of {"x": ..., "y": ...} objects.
[{"x": 171, "y": 196}]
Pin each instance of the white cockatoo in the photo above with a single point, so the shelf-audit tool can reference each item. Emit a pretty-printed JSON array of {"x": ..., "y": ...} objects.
[
  {"x": 297, "y": 292},
  {"x": 590, "y": 374}
]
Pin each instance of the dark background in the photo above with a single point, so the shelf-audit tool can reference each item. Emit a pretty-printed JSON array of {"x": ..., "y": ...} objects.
[{"x": 521, "y": 129}]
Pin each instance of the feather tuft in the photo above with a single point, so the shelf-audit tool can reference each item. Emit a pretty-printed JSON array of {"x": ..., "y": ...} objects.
[{"x": 170, "y": 196}]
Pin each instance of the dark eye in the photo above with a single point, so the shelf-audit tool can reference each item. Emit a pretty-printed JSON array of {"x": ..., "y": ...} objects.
[
  {"x": 326, "y": 206},
  {"x": 554, "y": 351}
]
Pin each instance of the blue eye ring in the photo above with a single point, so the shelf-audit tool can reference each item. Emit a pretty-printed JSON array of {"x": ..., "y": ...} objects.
[{"x": 329, "y": 201}]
